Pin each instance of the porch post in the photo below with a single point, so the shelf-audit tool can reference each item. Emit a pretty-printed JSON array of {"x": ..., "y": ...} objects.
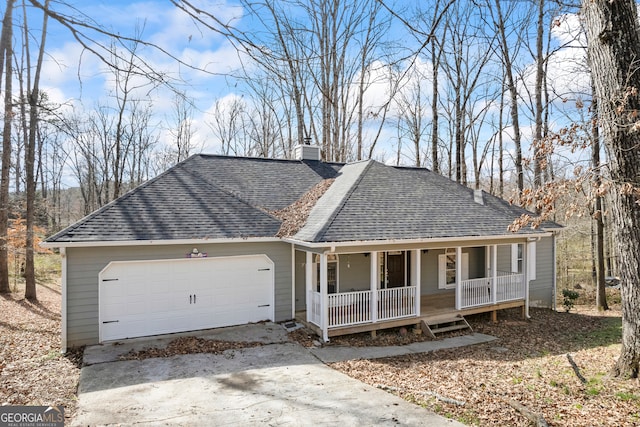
[
  {"x": 373, "y": 285},
  {"x": 494, "y": 274},
  {"x": 415, "y": 277},
  {"x": 308, "y": 280},
  {"x": 324, "y": 298},
  {"x": 458, "y": 277}
]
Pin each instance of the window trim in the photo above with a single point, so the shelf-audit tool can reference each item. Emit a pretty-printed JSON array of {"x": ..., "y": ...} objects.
[
  {"x": 332, "y": 260},
  {"x": 442, "y": 268}
]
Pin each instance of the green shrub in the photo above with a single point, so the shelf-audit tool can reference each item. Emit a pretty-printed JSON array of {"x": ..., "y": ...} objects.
[{"x": 569, "y": 299}]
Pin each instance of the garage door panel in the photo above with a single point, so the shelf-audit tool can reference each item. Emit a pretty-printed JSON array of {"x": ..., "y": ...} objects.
[{"x": 139, "y": 298}]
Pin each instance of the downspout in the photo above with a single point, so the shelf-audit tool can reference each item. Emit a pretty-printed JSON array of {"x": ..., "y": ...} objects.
[
  {"x": 554, "y": 290},
  {"x": 293, "y": 283},
  {"x": 526, "y": 282},
  {"x": 63, "y": 311}
]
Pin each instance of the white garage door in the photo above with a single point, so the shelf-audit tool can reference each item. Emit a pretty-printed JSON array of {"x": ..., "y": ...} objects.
[{"x": 141, "y": 298}]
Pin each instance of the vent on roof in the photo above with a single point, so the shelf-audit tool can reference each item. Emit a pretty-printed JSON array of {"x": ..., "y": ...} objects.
[
  {"x": 478, "y": 197},
  {"x": 306, "y": 152}
]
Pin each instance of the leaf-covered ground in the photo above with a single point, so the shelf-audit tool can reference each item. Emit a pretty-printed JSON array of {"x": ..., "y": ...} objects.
[
  {"x": 528, "y": 365},
  {"x": 32, "y": 369}
]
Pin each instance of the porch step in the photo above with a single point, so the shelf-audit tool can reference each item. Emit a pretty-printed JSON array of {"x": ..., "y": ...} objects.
[{"x": 442, "y": 324}]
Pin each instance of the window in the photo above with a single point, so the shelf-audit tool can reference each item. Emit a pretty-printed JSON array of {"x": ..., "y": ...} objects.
[
  {"x": 332, "y": 273},
  {"x": 447, "y": 268},
  {"x": 516, "y": 258}
]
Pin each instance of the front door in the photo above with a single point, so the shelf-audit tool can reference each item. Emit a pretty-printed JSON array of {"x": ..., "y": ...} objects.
[{"x": 395, "y": 269}]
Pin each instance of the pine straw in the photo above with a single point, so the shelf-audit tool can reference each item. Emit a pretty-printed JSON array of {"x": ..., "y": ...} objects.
[
  {"x": 294, "y": 216},
  {"x": 385, "y": 337},
  {"x": 32, "y": 369},
  {"x": 188, "y": 345},
  {"x": 528, "y": 365}
]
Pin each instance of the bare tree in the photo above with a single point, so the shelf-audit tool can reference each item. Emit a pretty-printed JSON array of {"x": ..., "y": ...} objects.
[
  {"x": 228, "y": 124},
  {"x": 597, "y": 214},
  {"x": 317, "y": 50},
  {"x": 6, "y": 60},
  {"x": 497, "y": 17},
  {"x": 33, "y": 96},
  {"x": 182, "y": 131},
  {"x": 144, "y": 137},
  {"x": 467, "y": 53},
  {"x": 412, "y": 106}
]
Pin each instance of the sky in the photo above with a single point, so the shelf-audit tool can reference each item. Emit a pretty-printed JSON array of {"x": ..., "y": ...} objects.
[
  {"x": 77, "y": 79},
  {"x": 74, "y": 76}
]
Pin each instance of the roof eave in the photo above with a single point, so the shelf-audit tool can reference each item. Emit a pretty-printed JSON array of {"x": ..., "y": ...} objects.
[
  {"x": 521, "y": 236},
  {"x": 105, "y": 243}
]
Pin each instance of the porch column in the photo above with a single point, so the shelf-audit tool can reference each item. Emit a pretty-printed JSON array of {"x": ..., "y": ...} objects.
[
  {"x": 308, "y": 280},
  {"x": 494, "y": 274},
  {"x": 373, "y": 285},
  {"x": 415, "y": 277},
  {"x": 458, "y": 277},
  {"x": 324, "y": 298}
]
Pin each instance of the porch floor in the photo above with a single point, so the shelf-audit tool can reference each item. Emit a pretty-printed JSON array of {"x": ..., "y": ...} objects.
[{"x": 432, "y": 309}]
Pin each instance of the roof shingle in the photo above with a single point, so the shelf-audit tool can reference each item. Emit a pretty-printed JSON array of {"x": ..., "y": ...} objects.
[{"x": 218, "y": 197}]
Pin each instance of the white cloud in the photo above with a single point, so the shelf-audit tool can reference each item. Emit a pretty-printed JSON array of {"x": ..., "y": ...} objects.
[{"x": 567, "y": 73}]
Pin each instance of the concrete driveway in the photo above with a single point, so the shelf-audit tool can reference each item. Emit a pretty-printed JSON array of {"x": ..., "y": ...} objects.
[{"x": 279, "y": 383}]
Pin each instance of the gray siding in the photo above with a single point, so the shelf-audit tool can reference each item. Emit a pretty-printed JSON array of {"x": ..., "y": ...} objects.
[
  {"x": 84, "y": 265},
  {"x": 354, "y": 272},
  {"x": 542, "y": 290},
  {"x": 429, "y": 268},
  {"x": 429, "y": 272},
  {"x": 301, "y": 298},
  {"x": 504, "y": 258}
]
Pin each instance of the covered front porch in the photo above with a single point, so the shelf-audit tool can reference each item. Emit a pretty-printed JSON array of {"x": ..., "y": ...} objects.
[{"x": 410, "y": 286}]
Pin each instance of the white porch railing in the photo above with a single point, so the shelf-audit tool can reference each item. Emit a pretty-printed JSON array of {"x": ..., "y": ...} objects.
[
  {"x": 509, "y": 288},
  {"x": 353, "y": 308},
  {"x": 349, "y": 308},
  {"x": 395, "y": 303},
  {"x": 478, "y": 292}
]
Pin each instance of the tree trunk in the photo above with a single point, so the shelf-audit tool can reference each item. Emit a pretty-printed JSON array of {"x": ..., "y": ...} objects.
[
  {"x": 598, "y": 215},
  {"x": 501, "y": 146},
  {"x": 30, "y": 155},
  {"x": 613, "y": 49},
  {"x": 513, "y": 92},
  {"x": 6, "y": 60},
  {"x": 435, "y": 164},
  {"x": 540, "y": 60}
]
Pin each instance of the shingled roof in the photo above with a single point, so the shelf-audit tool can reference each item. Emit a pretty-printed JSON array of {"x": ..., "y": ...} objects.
[
  {"x": 371, "y": 201},
  {"x": 204, "y": 197},
  {"x": 219, "y": 197}
]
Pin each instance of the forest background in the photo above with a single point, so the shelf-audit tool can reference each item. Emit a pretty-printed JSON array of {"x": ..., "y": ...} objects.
[{"x": 100, "y": 97}]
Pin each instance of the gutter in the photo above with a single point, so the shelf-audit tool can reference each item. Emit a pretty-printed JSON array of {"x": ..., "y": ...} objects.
[
  {"x": 413, "y": 241},
  {"x": 102, "y": 243}
]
